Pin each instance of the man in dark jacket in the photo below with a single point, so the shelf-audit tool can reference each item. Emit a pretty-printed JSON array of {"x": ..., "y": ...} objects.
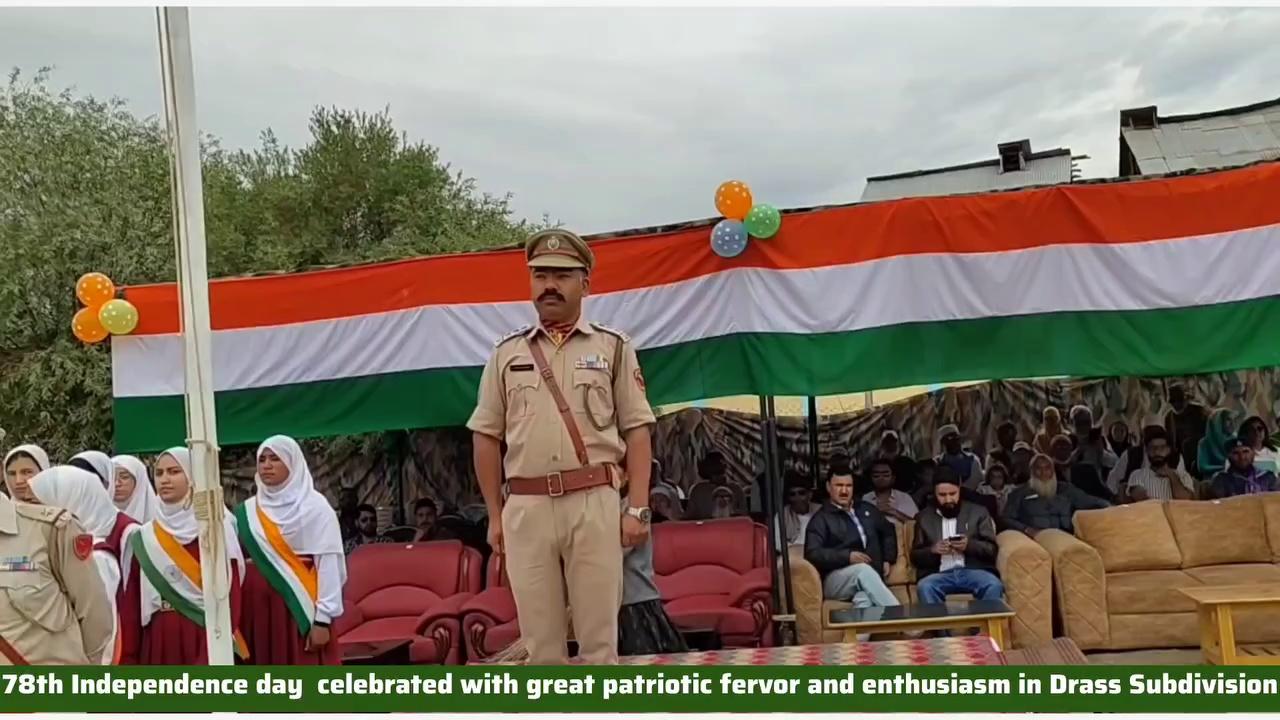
[
  {"x": 954, "y": 550},
  {"x": 852, "y": 545}
]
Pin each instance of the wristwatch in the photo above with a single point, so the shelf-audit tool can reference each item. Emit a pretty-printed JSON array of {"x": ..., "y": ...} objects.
[{"x": 643, "y": 514}]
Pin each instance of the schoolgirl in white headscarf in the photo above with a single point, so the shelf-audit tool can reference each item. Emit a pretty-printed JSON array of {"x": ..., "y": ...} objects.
[{"x": 138, "y": 500}]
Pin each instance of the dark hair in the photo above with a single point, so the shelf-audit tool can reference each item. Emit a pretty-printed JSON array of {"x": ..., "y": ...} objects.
[
  {"x": 1153, "y": 433},
  {"x": 793, "y": 479},
  {"x": 425, "y": 502},
  {"x": 944, "y": 475},
  {"x": 709, "y": 462},
  {"x": 875, "y": 462},
  {"x": 24, "y": 454},
  {"x": 1007, "y": 425},
  {"x": 87, "y": 466},
  {"x": 367, "y": 508},
  {"x": 926, "y": 464},
  {"x": 839, "y": 464}
]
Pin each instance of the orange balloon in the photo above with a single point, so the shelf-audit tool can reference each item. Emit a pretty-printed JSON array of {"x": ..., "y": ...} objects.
[
  {"x": 733, "y": 199},
  {"x": 87, "y": 327},
  {"x": 94, "y": 289}
]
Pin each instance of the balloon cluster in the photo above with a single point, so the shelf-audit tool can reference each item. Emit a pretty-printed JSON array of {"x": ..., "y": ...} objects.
[
  {"x": 103, "y": 314},
  {"x": 742, "y": 218}
]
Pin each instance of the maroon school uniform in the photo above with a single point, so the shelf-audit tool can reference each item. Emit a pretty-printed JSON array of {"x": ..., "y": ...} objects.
[
  {"x": 271, "y": 631},
  {"x": 113, "y": 545}
]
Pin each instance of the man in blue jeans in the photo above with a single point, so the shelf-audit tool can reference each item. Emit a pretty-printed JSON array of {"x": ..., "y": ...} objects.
[{"x": 954, "y": 549}]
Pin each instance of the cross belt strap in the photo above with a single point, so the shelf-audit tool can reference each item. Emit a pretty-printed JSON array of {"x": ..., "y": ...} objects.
[
  {"x": 566, "y": 413},
  {"x": 11, "y": 653}
]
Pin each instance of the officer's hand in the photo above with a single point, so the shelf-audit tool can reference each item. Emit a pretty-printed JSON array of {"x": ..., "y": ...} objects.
[
  {"x": 495, "y": 536},
  {"x": 634, "y": 532}
]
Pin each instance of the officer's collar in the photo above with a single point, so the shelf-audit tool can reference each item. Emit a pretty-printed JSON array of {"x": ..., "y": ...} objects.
[
  {"x": 582, "y": 326},
  {"x": 8, "y": 516}
]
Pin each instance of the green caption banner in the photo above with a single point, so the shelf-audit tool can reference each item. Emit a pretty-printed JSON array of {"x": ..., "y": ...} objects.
[{"x": 642, "y": 689}]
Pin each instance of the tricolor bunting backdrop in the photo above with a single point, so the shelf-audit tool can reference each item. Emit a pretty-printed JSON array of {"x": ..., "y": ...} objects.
[{"x": 1168, "y": 276}]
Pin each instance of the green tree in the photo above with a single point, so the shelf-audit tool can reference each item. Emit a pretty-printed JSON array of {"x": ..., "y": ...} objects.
[{"x": 84, "y": 185}]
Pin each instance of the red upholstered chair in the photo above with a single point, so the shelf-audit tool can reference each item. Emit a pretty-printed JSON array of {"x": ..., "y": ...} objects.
[
  {"x": 489, "y": 619},
  {"x": 413, "y": 591},
  {"x": 714, "y": 574}
]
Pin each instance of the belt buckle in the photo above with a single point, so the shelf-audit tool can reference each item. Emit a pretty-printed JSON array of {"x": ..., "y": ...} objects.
[{"x": 552, "y": 479}]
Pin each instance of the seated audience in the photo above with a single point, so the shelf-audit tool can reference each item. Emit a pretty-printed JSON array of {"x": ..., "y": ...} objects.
[
  {"x": 997, "y": 485},
  {"x": 923, "y": 493},
  {"x": 1006, "y": 441},
  {"x": 1045, "y": 502},
  {"x": 1210, "y": 457},
  {"x": 966, "y": 465},
  {"x": 366, "y": 529},
  {"x": 893, "y": 503},
  {"x": 954, "y": 550},
  {"x": 852, "y": 546},
  {"x": 1160, "y": 479},
  {"x": 797, "y": 511},
  {"x": 425, "y": 514},
  {"x": 1020, "y": 470},
  {"x": 1090, "y": 447},
  {"x": 664, "y": 503},
  {"x": 1050, "y": 428},
  {"x": 714, "y": 471},
  {"x": 1242, "y": 476},
  {"x": 1119, "y": 439},
  {"x": 1185, "y": 424},
  {"x": 904, "y": 466},
  {"x": 1257, "y": 436}
]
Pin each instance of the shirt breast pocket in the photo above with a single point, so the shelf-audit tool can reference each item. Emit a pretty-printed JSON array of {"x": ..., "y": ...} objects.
[
  {"x": 522, "y": 381},
  {"x": 37, "y": 598},
  {"x": 593, "y": 396}
]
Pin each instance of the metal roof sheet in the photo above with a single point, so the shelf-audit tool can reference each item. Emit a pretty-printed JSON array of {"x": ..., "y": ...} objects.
[{"x": 1223, "y": 138}]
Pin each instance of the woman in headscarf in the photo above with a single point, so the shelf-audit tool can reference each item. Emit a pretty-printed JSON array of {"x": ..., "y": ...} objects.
[
  {"x": 21, "y": 464},
  {"x": 134, "y": 495},
  {"x": 99, "y": 464},
  {"x": 163, "y": 603},
  {"x": 293, "y": 590},
  {"x": 1255, "y": 434},
  {"x": 665, "y": 502},
  {"x": 1211, "y": 456},
  {"x": 81, "y": 493}
]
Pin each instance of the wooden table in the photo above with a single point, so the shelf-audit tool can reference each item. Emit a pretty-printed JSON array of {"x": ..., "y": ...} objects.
[
  {"x": 1217, "y": 630},
  {"x": 383, "y": 652},
  {"x": 992, "y": 616}
]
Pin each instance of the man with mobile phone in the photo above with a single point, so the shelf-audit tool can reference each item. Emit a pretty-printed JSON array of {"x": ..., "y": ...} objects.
[{"x": 954, "y": 549}]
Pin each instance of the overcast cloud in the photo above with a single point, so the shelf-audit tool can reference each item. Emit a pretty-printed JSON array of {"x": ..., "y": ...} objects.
[{"x": 615, "y": 118}]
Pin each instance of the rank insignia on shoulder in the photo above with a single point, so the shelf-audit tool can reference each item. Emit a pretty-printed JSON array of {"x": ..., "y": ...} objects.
[
  {"x": 513, "y": 334},
  {"x": 611, "y": 331}
]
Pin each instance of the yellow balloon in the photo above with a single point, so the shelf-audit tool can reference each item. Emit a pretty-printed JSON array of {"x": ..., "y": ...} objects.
[{"x": 119, "y": 317}]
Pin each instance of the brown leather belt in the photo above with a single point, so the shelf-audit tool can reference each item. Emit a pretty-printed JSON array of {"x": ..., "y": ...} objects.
[{"x": 563, "y": 483}]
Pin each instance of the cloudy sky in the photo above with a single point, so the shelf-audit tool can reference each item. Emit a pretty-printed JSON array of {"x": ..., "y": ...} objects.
[{"x": 615, "y": 118}]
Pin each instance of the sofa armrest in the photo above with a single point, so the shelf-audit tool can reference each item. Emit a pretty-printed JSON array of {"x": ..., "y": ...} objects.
[
  {"x": 1026, "y": 569},
  {"x": 1080, "y": 587},
  {"x": 752, "y": 583},
  {"x": 350, "y": 619},
  {"x": 447, "y": 608},
  {"x": 806, "y": 590},
  {"x": 495, "y": 603}
]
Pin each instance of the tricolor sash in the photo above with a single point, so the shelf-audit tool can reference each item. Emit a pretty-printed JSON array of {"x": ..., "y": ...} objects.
[
  {"x": 295, "y": 579},
  {"x": 175, "y": 574}
]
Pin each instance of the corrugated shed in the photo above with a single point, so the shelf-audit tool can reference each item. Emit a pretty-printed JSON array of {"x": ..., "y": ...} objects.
[
  {"x": 1050, "y": 167},
  {"x": 1223, "y": 138}
]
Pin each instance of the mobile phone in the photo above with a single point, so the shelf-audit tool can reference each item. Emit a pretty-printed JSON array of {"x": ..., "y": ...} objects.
[{"x": 955, "y": 538}]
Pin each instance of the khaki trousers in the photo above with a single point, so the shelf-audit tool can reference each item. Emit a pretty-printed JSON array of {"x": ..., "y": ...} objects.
[{"x": 573, "y": 541}]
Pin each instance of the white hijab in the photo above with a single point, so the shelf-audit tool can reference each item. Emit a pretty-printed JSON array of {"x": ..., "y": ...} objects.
[
  {"x": 80, "y": 493},
  {"x": 142, "y": 505},
  {"x": 36, "y": 452},
  {"x": 101, "y": 465},
  {"x": 305, "y": 519}
]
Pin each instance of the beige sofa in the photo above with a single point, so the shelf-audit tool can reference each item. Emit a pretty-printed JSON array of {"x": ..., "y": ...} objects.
[
  {"x": 1024, "y": 566},
  {"x": 1116, "y": 582}
]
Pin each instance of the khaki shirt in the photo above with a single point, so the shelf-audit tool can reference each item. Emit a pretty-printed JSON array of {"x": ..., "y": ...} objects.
[
  {"x": 515, "y": 406},
  {"x": 53, "y": 608}
]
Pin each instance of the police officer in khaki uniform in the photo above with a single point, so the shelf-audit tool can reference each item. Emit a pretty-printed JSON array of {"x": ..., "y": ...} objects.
[
  {"x": 53, "y": 608},
  {"x": 568, "y": 398}
]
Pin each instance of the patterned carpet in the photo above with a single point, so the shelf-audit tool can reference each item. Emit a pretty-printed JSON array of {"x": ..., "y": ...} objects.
[{"x": 969, "y": 650}]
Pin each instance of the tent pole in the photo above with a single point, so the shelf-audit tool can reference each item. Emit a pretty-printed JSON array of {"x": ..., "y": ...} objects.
[
  {"x": 193, "y": 290},
  {"x": 813, "y": 442},
  {"x": 773, "y": 486}
]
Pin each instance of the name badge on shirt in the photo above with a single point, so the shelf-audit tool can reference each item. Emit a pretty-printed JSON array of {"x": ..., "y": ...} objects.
[
  {"x": 591, "y": 362},
  {"x": 17, "y": 563}
]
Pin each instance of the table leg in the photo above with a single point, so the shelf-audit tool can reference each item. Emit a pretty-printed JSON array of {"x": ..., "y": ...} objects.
[
  {"x": 1209, "y": 634},
  {"x": 1226, "y": 635},
  {"x": 851, "y": 636},
  {"x": 996, "y": 631}
]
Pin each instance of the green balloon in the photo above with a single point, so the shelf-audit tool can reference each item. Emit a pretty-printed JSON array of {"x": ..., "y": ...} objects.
[{"x": 763, "y": 221}]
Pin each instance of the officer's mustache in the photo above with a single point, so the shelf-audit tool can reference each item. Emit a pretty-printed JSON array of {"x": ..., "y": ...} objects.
[{"x": 551, "y": 294}]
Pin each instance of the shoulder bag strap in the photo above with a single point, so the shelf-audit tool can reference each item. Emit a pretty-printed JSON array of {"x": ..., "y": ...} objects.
[
  {"x": 11, "y": 653},
  {"x": 566, "y": 413}
]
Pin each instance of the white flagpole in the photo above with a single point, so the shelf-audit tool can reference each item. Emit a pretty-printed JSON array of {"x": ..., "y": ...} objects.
[{"x": 193, "y": 289}]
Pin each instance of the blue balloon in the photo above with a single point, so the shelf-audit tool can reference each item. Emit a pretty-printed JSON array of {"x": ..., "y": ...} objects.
[{"x": 729, "y": 238}]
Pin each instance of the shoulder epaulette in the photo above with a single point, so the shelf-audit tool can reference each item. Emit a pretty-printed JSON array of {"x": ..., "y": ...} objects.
[
  {"x": 42, "y": 513},
  {"x": 618, "y": 333},
  {"x": 513, "y": 334}
]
